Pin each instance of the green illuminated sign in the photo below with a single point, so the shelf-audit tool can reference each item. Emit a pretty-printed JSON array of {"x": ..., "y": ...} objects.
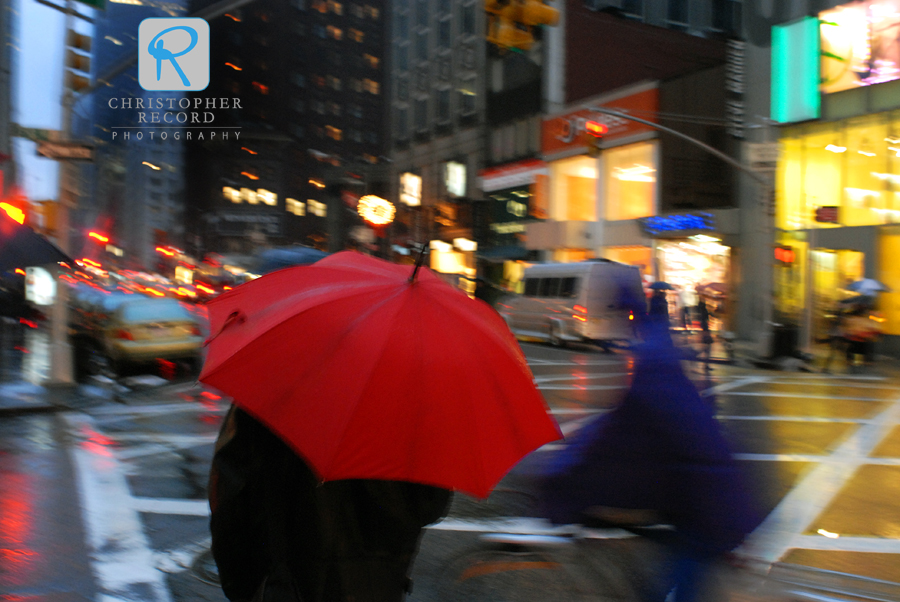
[{"x": 795, "y": 71}]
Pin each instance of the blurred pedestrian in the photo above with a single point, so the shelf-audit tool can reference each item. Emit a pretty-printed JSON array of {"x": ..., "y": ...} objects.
[
  {"x": 661, "y": 455},
  {"x": 862, "y": 328},
  {"x": 706, "y": 339},
  {"x": 659, "y": 307},
  {"x": 280, "y": 535},
  {"x": 837, "y": 342}
]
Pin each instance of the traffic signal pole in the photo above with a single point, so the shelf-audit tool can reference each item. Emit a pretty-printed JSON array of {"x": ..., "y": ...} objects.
[
  {"x": 61, "y": 372},
  {"x": 767, "y": 204}
]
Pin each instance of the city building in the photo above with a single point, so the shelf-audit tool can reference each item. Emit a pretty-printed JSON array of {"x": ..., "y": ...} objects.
[
  {"x": 835, "y": 100},
  {"x": 603, "y": 185},
  {"x": 437, "y": 101},
  {"x": 311, "y": 115},
  {"x": 133, "y": 190}
]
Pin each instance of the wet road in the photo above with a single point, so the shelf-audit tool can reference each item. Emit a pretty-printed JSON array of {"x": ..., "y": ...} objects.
[{"x": 111, "y": 500}]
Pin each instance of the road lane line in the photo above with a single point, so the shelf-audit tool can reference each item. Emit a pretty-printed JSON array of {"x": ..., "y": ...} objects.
[
  {"x": 152, "y": 505},
  {"x": 878, "y": 545},
  {"x": 120, "y": 552},
  {"x": 815, "y": 492}
]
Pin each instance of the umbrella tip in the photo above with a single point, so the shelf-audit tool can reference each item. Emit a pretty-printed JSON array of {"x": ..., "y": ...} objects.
[{"x": 419, "y": 260}]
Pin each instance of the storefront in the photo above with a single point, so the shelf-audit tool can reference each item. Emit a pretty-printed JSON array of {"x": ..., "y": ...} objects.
[
  {"x": 838, "y": 198},
  {"x": 595, "y": 183},
  {"x": 837, "y": 206}
]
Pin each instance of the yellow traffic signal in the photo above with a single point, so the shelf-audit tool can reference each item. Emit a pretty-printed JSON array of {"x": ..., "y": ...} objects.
[
  {"x": 510, "y": 21},
  {"x": 77, "y": 62}
]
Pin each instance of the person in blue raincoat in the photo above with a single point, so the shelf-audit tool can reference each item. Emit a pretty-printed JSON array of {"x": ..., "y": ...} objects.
[{"x": 661, "y": 453}]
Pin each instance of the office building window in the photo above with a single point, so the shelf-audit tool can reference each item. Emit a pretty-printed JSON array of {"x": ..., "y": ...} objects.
[
  {"x": 422, "y": 46},
  {"x": 422, "y": 13},
  {"x": 402, "y": 117},
  {"x": 444, "y": 6},
  {"x": 421, "y": 114},
  {"x": 467, "y": 97},
  {"x": 372, "y": 87},
  {"x": 443, "y": 105},
  {"x": 356, "y": 35},
  {"x": 727, "y": 15},
  {"x": 317, "y": 208},
  {"x": 403, "y": 89},
  {"x": 444, "y": 33},
  {"x": 402, "y": 56},
  {"x": 334, "y": 133},
  {"x": 633, "y": 7},
  {"x": 468, "y": 19},
  {"x": 677, "y": 14},
  {"x": 403, "y": 26}
]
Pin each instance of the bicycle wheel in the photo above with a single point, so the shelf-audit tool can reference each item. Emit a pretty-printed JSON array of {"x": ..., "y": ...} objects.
[{"x": 509, "y": 574}]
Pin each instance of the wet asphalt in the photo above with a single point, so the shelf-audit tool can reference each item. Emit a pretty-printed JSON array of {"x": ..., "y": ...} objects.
[{"x": 107, "y": 501}]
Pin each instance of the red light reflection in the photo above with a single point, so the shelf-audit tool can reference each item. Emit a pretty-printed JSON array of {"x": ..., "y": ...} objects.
[{"x": 16, "y": 525}]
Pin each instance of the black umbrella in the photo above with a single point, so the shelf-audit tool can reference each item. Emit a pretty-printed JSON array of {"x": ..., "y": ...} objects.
[
  {"x": 20, "y": 246},
  {"x": 659, "y": 285}
]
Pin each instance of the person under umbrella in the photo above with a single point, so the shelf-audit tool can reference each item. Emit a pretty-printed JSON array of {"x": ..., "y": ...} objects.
[{"x": 364, "y": 393}]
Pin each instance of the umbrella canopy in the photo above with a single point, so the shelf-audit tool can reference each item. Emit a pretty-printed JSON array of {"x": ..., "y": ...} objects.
[
  {"x": 713, "y": 288},
  {"x": 20, "y": 246},
  {"x": 659, "y": 285},
  {"x": 368, "y": 373},
  {"x": 867, "y": 286}
]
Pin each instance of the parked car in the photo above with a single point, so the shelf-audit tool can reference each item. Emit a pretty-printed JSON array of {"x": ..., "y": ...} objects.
[{"x": 589, "y": 301}]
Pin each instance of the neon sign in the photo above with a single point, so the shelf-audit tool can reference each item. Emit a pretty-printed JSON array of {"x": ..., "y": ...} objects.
[{"x": 660, "y": 224}]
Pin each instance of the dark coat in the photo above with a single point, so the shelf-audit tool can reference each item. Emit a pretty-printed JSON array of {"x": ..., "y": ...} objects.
[
  {"x": 662, "y": 450},
  {"x": 339, "y": 541}
]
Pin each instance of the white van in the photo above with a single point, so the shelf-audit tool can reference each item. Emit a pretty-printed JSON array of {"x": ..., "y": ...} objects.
[{"x": 576, "y": 302}]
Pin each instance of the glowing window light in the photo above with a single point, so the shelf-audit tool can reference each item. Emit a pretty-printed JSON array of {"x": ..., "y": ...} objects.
[
  {"x": 250, "y": 175},
  {"x": 835, "y": 149},
  {"x": 866, "y": 153},
  {"x": 267, "y": 196},
  {"x": 151, "y": 165},
  {"x": 638, "y": 173}
]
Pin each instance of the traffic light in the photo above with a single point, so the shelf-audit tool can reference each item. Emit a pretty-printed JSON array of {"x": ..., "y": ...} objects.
[
  {"x": 593, "y": 134},
  {"x": 78, "y": 61},
  {"x": 510, "y": 21},
  {"x": 785, "y": 255},
  {"x": 16, "y": 206}
]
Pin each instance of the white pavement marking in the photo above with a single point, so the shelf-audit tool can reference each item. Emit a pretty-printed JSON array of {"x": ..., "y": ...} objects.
[
  {"x": 741, "y": 382},
  {"x": 575, "y": 387},
  {"x": 153, "y": 505},
  {"x": 772, "y": 394},
  {"x": 526, "y": 526},
  {"x": 120, "y": 552},
  {"x": 815, "y": 492},
  {"x": 878, "y": 545},
  {"x": 181, "y": 559},
  {"x": 548, "y": 379}
]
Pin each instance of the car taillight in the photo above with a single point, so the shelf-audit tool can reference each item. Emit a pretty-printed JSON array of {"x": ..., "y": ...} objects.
[
  {"x": 631, "y": 315},
  {"x": 124, "y": 334}
]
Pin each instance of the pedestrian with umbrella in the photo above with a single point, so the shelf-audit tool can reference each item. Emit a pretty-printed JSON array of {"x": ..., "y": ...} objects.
[
  {"x": 365, "y": 392},
  {"x": 659, "y": 303}
]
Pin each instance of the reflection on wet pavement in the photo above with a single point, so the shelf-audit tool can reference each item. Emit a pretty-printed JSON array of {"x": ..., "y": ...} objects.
[
  {"x": 875, "y": 488},
  {"x": 786, "y": 437}
]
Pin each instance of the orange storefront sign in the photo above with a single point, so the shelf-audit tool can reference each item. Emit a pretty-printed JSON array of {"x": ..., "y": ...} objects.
[{"x": 565, "y": 132}]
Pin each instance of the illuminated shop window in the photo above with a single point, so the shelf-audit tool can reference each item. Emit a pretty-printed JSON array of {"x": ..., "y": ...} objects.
[
  {"x": 294, "y": 206},
  {"x": 630, "y": 181},
  {"x": 574, "y": 188},
  {"x": 839, "y": 174}
]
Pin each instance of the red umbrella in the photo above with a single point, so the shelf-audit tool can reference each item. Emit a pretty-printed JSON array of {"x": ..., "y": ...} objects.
[{"x": 369, "y": 371}]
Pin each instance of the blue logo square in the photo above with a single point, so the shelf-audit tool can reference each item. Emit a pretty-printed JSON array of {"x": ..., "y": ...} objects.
[{"x": 173, "y": 54}]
